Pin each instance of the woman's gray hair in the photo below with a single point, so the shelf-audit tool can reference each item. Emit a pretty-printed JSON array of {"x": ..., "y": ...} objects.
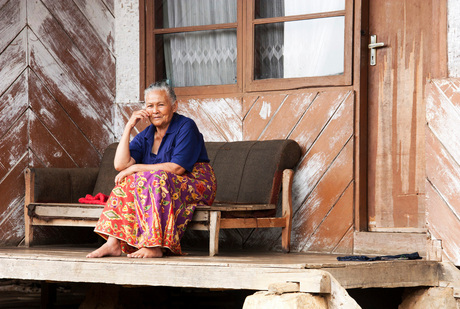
[{"x": 162, "y": 85}]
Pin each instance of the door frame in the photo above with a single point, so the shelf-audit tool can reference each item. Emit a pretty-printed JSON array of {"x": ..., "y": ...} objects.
[{"x": 360, "y": 82}]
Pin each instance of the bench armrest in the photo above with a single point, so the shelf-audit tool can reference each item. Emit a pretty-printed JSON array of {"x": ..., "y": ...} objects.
[{"x": 59, "y": 185}]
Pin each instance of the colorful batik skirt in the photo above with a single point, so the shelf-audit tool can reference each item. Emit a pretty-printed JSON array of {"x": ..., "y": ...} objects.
[{"x": 152, "y": 209}]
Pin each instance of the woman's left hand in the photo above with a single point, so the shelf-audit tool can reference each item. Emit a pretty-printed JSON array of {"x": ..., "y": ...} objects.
[{"x": 124, "y": 173}]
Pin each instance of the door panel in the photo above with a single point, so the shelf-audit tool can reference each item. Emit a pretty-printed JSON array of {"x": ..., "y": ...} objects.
[{"x": 396, "y": 112}]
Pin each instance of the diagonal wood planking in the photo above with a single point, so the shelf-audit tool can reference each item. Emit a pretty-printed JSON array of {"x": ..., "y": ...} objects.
[
  {"x": 57, "y": 72},
  {"x": 57, "y": 87},
  {"x": 323, "y": 123},
  {"x": 443, "y": 164}
]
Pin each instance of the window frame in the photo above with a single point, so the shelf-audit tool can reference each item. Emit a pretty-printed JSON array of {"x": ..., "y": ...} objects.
[{"x": 244, "y": 26}]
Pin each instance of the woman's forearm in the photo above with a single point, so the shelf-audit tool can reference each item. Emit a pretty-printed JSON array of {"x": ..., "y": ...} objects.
[
  {"x": 134, "y": 168},
  {"x": 168, "y": 167},
  {"x": 123, "y": 158}
]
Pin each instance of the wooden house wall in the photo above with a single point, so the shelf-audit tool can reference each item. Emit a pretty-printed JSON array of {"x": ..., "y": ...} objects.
[
  {"x": 322, "y": 122},
  {"x": 57, "y": 87},
  {"x": 443, "y": 165}
]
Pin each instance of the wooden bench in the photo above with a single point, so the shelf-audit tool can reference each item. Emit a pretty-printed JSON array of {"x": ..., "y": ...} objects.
[{"x": 251, "y": 175}]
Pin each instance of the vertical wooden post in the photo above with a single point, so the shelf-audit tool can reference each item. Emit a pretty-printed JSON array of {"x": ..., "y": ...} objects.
[
  {"x": 214, "y": 228},
  {"x": 29, "y": 176},
  {"x": 48, "y": 294},
  {"x": 288, "y": 176}
]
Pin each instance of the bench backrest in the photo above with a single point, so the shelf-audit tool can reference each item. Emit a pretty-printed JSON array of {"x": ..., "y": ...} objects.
[
  {"x": 247, "y": 172},
  {"x": 250, "y": 172}
]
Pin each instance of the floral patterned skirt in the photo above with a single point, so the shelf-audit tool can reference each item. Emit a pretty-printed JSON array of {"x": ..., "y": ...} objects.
[{"x": 152, "y": 209}]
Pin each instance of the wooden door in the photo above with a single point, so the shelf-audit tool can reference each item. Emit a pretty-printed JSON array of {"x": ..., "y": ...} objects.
[{"x": 396, "y": 110}]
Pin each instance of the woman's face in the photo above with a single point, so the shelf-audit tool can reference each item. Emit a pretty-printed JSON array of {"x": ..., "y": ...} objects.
[{"x": 160, "y": 109}]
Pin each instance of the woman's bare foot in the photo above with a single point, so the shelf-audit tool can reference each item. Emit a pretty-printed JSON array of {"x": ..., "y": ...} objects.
[
  {"x": 110, "y": 248},
  {"x": 155, "y": 252}
]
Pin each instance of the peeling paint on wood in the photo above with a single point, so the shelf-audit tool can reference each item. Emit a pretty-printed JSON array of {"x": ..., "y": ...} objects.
[
  {"x": 12, "y": 225},
  {"x": 453, "y": 38},
  {"x": 64, "y": 53},
  {"x": 13, "y": 103},
  {"x": 442, "y": 225},
  {"x": 396, "y": 111},
  {"x": 85, "y": 38},
  {"x": 12, "y": 20},
  {"x": 101, "y": 19},
  {"x": 13, "y": 61},
  {"x": 55, "y": 109},
  {"x": 51, "y": 114},
  {"x": 223, "y": 117},
  {"x": 319, "y": 202},
  {"x": 443, "y": 165},
  {"x": 253, "y": 120},
  {"x": 334, "y": 225},
  {"x": 192, "y": 109},
  {"x": 13, "y": 145},
  {"x": 287, "y": 116},
  {"x": 316, "y": 117},
  {"x": 73, "y": 98}
]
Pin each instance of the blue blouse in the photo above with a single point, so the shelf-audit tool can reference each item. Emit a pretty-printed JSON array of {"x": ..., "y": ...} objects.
[{"x": 182, "y": 144}]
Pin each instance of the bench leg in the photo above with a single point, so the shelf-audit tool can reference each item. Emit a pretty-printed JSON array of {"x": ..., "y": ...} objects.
[
  {"x": 29, "y": 176},
  {"x": 29, "y": 235},
  {"x": 28, "y": 229},
  {"x": 288, "y": 176},
  {"x": 214, "y": 228},
  {"x": 286, "y": 237}
]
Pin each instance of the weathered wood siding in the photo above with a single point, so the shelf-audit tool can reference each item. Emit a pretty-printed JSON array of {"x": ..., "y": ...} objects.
[
  {"x": 57, "y": 87},
  {"x": 443, "y": 164},
  {"x": 322, "y": 122}
]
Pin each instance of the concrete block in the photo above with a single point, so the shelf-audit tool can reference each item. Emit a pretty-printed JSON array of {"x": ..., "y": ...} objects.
[
  {"x": 267, "y": 300},
  {"x": 433, "y": 298}
]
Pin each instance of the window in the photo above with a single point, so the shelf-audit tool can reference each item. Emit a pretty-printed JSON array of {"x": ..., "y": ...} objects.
[{"x": 225, "y": 46}]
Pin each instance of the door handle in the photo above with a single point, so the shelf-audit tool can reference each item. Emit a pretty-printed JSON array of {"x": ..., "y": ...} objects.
[{"x": 372, "y": 46}]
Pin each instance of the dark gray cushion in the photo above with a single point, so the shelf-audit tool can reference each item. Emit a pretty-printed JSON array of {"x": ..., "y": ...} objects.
[
  {"x": 106, "y": 178},
  {"x": 63, "y": 185},
  {"x": 247, "y": 172},
  {"x": 250, "y": 172}
]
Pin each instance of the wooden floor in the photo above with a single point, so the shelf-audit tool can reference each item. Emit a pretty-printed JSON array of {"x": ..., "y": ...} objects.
[{"x": 237, "y": 270}]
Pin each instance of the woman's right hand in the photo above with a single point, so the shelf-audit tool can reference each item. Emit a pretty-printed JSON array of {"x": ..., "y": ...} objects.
[{"x": 136, "y": 117}]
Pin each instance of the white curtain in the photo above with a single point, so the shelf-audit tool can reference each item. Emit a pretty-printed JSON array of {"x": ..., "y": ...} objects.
[
  {"x": 202, "y": 57},
  {"x": 305, "y": 48},
  {"x": 269, "y": 42}
]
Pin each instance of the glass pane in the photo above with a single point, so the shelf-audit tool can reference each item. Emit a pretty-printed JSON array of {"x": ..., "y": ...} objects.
[
  {"x": 184, "y": 13},
  {"x": 278, "y": 8},
  {"x": 313, "y": 47},
  {"x": 200, "y": 58}
]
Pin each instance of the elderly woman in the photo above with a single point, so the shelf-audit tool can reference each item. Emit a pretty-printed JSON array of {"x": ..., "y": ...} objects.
[{"x": 164, "y": 174}]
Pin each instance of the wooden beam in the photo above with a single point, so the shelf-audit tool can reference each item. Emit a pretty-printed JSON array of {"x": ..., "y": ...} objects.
[
  {"x": 389, "y": 243},
  {"x": 151, "y": 272},
  {"x": 389, "y": 274},
  {"x": 236, "y": 207},
  {"x": 64, "y": 222},
  {"x": 234, "y": 223},
  {"x": 87, "y": 212}
]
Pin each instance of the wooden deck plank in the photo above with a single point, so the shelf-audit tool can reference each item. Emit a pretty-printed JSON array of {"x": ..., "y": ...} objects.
[
  {"x": 231, "y": 270},
  {"x": 170, "y": 271}
]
